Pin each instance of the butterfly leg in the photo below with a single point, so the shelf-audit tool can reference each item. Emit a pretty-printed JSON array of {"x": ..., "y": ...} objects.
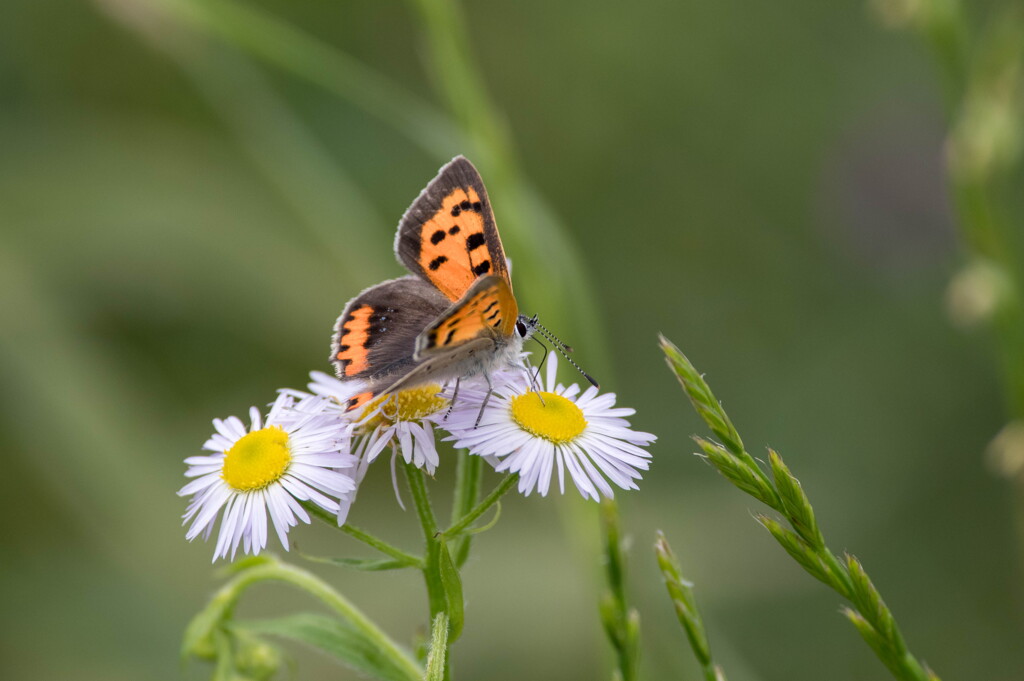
[
  {"x": 487, "y": 398},
  {"x": 535, "y": 376},
  {"x": 455, "y": 395}
]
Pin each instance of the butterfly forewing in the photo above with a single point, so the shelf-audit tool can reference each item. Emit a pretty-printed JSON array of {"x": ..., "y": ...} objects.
[{"x": 448, "y": 236}]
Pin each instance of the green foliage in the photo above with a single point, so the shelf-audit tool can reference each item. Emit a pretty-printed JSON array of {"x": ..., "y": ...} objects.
[
  {"x": 349, "y": 636},
  {"x": 333, "y": 636},
  {"x": 680, "y": 591},
  {"x": 436, "y": 659},
  {"x": 452, "y": 582},
  {"x": 621, "y": 622},
  {"x": 748, "y": 478},
  {"x": 805, "y": 544},
  {"x": 703, "y": 400},
  {"x": 983, "y": 68},
  {"x": 362, "y": 564}
]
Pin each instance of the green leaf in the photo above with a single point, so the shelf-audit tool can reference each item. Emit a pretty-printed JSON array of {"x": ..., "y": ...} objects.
[
  {"x": 438, "y": 648},
  {"x": 363, "y": 564},
  {"x": 452, "y": 583},
  {"x": 333, "y": 636}
]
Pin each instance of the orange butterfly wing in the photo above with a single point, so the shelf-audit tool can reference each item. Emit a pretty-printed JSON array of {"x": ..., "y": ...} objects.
[
  {"x": 488, "y": 309},
  {"x": 448, "y": 236},
  {"x": 400, "y": 333},
  {"x": 472, "y": 327}
]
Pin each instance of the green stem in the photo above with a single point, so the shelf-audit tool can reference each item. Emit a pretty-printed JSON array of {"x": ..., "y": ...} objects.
[
  {"x": 226, "y": 598},
  {"x": 436, "y": 665},
  {"x": 467, "y": 489},
  {"x": 431, "y": 535},
  {"x": 481, "y": 508},
  {"x": 365, "y": 537}
]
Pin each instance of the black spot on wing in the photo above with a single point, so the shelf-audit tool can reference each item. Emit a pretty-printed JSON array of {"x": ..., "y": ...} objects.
[
  {"x": 475, "y": 241},
  {"x": 482, "y": 268},
  {"x": 437, "y": 237},
  {"x": 437, "y": 262},
  {"x": 454, "y": 230}
]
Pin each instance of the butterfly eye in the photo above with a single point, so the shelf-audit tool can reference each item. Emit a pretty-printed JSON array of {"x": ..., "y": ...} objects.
[{"x": 521, "y": 329}]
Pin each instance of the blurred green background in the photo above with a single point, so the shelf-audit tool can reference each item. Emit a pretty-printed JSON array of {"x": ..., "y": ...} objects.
[{"x": 181, "y": 222}]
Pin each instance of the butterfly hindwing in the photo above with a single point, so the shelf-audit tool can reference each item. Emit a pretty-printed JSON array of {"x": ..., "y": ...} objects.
[
  {"x": 375, "y": 336},
  {"x": 464, "y": 334},
  {"x": 447, "y": 364},
  {"x": 448, "y": 236},
  {"x": 487, "y": 310}
]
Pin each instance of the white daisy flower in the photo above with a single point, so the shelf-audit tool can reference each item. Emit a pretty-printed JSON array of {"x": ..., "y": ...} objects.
[
  {"x": 558, "y": 429},
  {"x": 298, "y": 453},
  {"x": 404, "y": 420}
]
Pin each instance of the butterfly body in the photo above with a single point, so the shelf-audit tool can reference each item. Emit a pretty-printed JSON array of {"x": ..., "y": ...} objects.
[{"x": 453, "y": 316}]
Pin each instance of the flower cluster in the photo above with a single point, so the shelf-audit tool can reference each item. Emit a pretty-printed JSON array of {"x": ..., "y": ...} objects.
[{"x": 310, "y": 449}]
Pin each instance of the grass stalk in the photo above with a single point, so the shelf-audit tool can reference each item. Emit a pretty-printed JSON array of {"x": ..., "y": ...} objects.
[
  {"x": 803, "y": 540},
  {"x": 681, "y": 592},
  {"x": 621, "y": 622}
]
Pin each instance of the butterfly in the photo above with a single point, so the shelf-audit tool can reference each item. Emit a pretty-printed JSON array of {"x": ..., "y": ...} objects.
[{"x": 453, "y": 316}]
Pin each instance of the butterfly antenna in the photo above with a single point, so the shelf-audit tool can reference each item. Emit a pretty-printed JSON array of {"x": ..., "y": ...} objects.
[{"x": 564, "y": 350}]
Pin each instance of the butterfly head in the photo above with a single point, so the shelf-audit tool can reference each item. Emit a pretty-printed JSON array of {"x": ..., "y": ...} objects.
[{"x": 525, "y": 326}]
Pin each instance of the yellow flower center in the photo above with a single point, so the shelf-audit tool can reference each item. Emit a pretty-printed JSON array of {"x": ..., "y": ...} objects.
[
  {"x": 556, "y": 419},
  {"x": 257, "y": 459},
  {"x": 407, "y": 405}
]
